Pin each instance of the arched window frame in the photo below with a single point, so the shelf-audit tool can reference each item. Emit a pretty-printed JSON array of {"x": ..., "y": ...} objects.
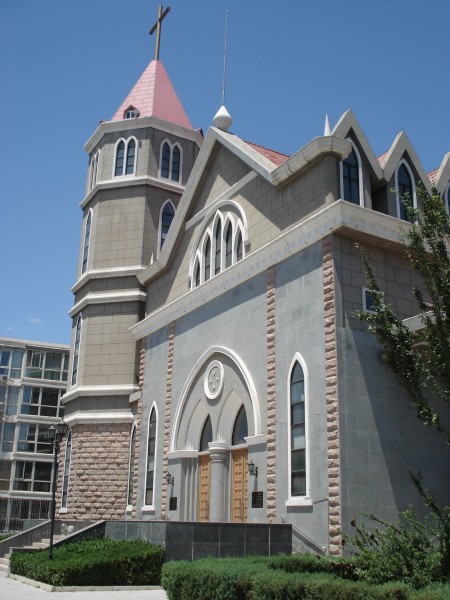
[
  {"x": 197, "y": 271},
  {"x": 306, "y": 499},
  {"x": 161, "y": 239},
  {"x": 93, "y": 170},
  {"x": 238, "y": 232},
  {"x": 131, "y": 466},
  {"x": 66, "y": 471},
  {"x": 239, "y": 413},
  {"x": 87, "y": 238},
  {"x": 216, "y": 253},
  {"x": 151, "y": 506},
  {"x": 397, "y": 191},
  {"x": 206, "y": 257},
  {"x": 124, "y": 167},
  {"x": 208, "y": 419},
  {"x": 360, "y": 174},
  {"x": 170, "y": 166},
  {"x": 76, "y": 348}
]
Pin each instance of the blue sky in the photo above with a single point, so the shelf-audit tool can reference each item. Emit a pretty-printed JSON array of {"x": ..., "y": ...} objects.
[{"x": 65, "y": 65}]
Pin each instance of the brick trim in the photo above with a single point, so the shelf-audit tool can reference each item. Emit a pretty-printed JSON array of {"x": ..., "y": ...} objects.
[
  {"x": 166, "y": 443},
  {"x": 331, "y": 395},
  {"x": 271, "y": 394}
]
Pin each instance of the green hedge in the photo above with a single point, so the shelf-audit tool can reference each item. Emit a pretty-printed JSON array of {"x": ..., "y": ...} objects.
[
  {"x": 259, "y": 578},
  {"x": 93, "y": 562}
]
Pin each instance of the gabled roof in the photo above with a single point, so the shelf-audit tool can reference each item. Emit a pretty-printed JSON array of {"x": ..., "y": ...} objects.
[
  {"x": 154, "y": 96},
  {"x": 277, "y": 158},
  {"x": 400, "y": 145},
  {"x": 440, "y": 177}
]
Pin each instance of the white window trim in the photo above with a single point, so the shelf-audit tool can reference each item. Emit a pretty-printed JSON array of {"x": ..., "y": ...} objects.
[
  {"x": 64, "y": 508},
  {"x": 360, "y": 174},
  {"x": 364, "y": 305},
  {"x": 218, "y": 218},
  {"x": 129, "y": 507},
  {"x": 161, "y": 210},
  {"x": 151, "y": 507},
  {"x": 413, "y": 183},
  {"x": 126, "y": 142},
  {"x": 171, "y": 148},
  {"x": 93, "y": 170},
  {"x": 207, "y": 234},
  {"x": 237, "y": 229},
  {"x": 305, "y": 500}
]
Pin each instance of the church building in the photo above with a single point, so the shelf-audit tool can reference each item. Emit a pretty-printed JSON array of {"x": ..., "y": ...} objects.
[{"x": 218, "y": 372}]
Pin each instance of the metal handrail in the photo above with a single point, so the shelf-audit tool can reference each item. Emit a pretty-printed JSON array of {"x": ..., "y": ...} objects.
[{"x": 305, "y": 537}]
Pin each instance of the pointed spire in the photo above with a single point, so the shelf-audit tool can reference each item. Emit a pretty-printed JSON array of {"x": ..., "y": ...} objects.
[
  {"x": 327, "y": 130},
  {"x": 154, "y": 96},
  {"x": 222, "y": 120}
]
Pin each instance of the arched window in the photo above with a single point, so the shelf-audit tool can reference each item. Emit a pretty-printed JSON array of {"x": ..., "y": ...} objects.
[
  {"x": 229, "y": 245},
  {"x": 240, "y": 429},
  {"x": 197, "y": 273},
  {"x": 165, "y": 160},
  {"x": 120, "y": 155},
  {"x": 218, "y": 247},
  {"x": 167, "y": 215},
  {"x": 350, "y": 178},
  {"x": 66, "y": 472},
  {"x": 76, "y": 349},
  {"x": 298, "y": 431},
  {"x": 206, "y": 436},
  {"x": 87, "y": 236},
  {"x": 93, "y": 169},
  {"x": 131, "y": 155},
  {"x": 207, "y": 260},
  {"x": 176, "y": 159},
  {"x": 131, "y": 467},
  {"x": 239, "y": 250},
  {"x": 151, "y": 453},
  {"x": 405, "y": 190}
]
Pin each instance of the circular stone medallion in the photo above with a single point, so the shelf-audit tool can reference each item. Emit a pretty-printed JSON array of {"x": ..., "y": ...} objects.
[{"x": 213, "y": 379}]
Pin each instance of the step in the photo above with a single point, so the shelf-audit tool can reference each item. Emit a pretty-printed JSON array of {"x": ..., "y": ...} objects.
[{"x": 4, "y": 561}]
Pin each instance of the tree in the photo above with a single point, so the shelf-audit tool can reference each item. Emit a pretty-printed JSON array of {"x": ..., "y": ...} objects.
[{"x": 420, "y": 359}]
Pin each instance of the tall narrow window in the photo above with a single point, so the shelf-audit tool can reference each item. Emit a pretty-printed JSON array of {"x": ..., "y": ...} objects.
[
  {"x": 239, "y": 252},
  {"x": 131, "y": 155},
  {"x": 240, "y": 429},
  {"x": 404, "y": 191},
  {"x": 350, "y": 176},
  {"x": 76, "y": 349},
  {"x": 197, "y": 274},
  {"x": 120, "y": 155},
  {"x": 218, "y": 244},
  {"x": 87, "y": 236},
  {"x": 131, "y": 467},
  {"x": 175, "y": 172},
  {"x": 206, "y": 436},
  {"x": 207, "y": 262},
  {"x": 167, "y": 215},
  {"x": 66, "y": 472},
  {"x": 298, "y": 445},
  {"x": 165, "y": 160},
  {"x": 151, "y": 452},
  {"x": 229, "y": 245}
]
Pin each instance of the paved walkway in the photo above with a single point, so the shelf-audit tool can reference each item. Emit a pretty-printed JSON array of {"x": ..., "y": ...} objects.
[{"x": 11, "y": 589}]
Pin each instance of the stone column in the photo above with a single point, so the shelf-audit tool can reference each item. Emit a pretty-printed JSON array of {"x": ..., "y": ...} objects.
[{"x": 218, "y": 452}]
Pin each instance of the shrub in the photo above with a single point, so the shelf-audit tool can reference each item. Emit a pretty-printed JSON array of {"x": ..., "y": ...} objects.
[
  {"x": 93, "y": 562},
  {"x": 309, "y": 563}
]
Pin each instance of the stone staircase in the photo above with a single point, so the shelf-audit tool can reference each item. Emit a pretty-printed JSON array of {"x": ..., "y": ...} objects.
[{"x": 37, "y": 545}]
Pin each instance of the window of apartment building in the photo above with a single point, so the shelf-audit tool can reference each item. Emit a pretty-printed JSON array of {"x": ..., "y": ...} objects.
[
  {"x": 405, "y": 189},
  {"x": 165, "y": 221},
  {"x": 66, "y": 472},
  {"x": 9, "y": 398},
  {"x": 5, "y": 474},
  {"x": 34, "y": 438},
  {"x": 32, "y": 476},
  {"x": 298, "y": 431},
  {"x": 125, "y": 157},
  {"x": 351, "y": 177},
  {"x": 151, "y": 453},
  {"x": 170, "y": 161},
  {"x": 11, "y": 363},
  {"x": 43, "y": 402},
  {"x": 7, "y": 437},
  {"x": 221, "y": 246},
  {"x": 87, "y": 237},
  {"x": 47, "y": 365}
]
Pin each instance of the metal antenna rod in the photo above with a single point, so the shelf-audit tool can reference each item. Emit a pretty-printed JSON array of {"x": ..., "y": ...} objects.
[{"x": 225, "y": 58}]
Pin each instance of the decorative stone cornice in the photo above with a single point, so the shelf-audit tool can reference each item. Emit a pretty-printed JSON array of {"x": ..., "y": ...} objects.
[
  {"x": 95, "y": 418},
  {"x": 107, "y": 298},
  {"x": 94, "y": 274},
  {"x": 99, "y": 390}
]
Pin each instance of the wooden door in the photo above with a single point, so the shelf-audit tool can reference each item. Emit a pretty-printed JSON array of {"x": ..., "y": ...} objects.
[
  {"x": 239, "y": 485},
  {"x": 203, "y": 487}
]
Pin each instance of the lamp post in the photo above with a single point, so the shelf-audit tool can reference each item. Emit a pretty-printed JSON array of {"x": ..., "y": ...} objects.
[{"x": 55, "y": 435}]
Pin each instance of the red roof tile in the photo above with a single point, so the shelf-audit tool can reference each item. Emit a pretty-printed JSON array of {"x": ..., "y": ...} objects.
[
  {"x": 278, "y": 158},
  {"x": 154, "y": 96}
]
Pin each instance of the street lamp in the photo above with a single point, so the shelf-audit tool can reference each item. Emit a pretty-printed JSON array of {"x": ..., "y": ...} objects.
[{"x": 55, "y": 435}]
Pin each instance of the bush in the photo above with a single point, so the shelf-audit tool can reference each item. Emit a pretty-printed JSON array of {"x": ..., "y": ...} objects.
[
  {"x": 309, "y": 563},
  {"x": 93, "y": 562}
]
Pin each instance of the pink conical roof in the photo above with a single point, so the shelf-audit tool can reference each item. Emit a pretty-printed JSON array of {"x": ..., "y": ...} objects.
[{"x": 154, "y": 96}]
